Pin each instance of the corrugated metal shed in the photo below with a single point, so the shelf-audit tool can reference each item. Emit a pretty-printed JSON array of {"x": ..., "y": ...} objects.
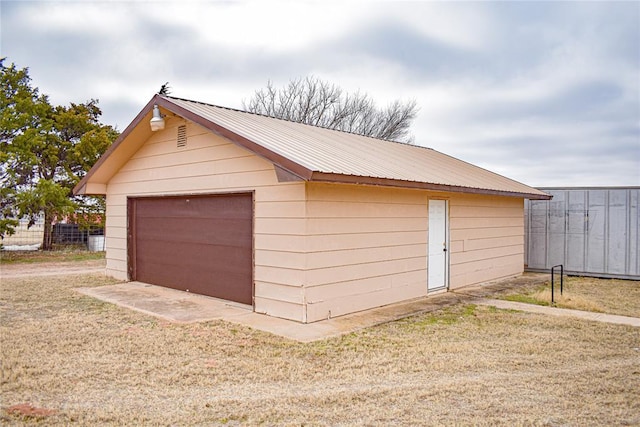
[
  {"x": 324, "y": 155},
  {"x": 591, "y": 231}
]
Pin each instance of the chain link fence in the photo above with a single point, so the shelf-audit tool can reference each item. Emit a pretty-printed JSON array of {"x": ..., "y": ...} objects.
[{"x": 63, "y": 235}]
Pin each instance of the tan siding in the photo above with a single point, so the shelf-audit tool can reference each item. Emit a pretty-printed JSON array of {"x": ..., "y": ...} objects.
[
  {"x": 480, "y": 244},
  {"x": 273, "y": 291},
  {"x": 281, "y": 226},
  {"x": 116, "y": 232},
  {"x": 95, "y": 188},
  {"x": 487, "y": 270},
  {"x": 330, "y": 259},
  {"x": 487, "y": 239},
  {"x": 116, "y": 219},
  {"x": 289, "y": 259},
  {"x": 281, "y": 209},
  {"x": 277, "y": 308},
  {"x": 358, "y": 302},
  {"x": 281, "y": 193},
  {"x": 335, "y": 242},
  {"x": 497, "y": 231},
  {"x": 383, "y": 224},
  {"x": 116, "y": 238},
  {"x": 364, "y": 194},
  {"x": 117, "y": 254},
  {"x": 210, "y": 164},
  {"x": 116, "y": 204},
  {"x": 118, "y": 243},
  {"x": 467, "y": 256},
  {"x": 116, "y": 268},
  {"x": 196, "y": 169},
  {"x": 374, "y": 209},
  {"x": 366, "y": 248},
  {"x": 479, "y": 222},
  {"x": 484, "y": 211},
  {"x": 278, "y": 242},
  {"x": 356, "y": 271},
  {"x": 363, "y": 286},
  {"x": 147, "y": 185},
  {"x": 280, "y": 275}
]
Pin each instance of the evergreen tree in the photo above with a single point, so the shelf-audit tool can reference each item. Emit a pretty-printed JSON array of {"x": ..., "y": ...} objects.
[{"x": 45, "y": 151}]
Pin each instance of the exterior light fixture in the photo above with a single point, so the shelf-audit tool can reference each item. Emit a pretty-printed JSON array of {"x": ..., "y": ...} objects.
[{"x": 157, "y": 121}]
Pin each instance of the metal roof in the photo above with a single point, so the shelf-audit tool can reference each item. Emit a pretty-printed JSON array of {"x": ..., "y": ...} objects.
[{"x": 324, "y": 155}]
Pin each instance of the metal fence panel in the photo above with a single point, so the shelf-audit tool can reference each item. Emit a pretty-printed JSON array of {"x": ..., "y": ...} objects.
[
  {"x": 537, "y": 215},
  {"x": 617, "y": 246},
  {"x": 634, "y": 233},
  {"x": 556, "y": 229},
  {"x": 595, "y": 232},
  {"x": 27, "y": 238},
  {"x": 592, "y": 231},
  {"x": 576, "y": 231}
]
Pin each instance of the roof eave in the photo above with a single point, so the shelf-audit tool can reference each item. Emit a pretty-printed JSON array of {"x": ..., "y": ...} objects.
[{"x": 387, "y": 182}]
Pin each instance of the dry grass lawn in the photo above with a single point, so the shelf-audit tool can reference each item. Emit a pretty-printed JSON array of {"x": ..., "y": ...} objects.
[
  {"x": 66, "y": 254},
  {"x": 611, "y": 296},
  {"x": 71, "y": 359}
]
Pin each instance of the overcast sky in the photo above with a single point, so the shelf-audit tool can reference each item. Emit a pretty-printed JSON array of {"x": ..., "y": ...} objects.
[{"x": 547, "y": 93}]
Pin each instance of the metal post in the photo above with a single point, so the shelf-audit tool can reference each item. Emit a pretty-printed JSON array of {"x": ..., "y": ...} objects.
[{"x": 561, "y": 280}]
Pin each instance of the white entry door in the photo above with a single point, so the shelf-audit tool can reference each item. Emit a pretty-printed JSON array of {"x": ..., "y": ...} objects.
[{"x": 438, "y": 263}]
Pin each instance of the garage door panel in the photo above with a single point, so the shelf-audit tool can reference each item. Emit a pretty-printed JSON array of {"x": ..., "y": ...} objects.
[
  {"x": 230, "y": 232},
  {"x": 200, "y": 282},
  {"x": 194, "y": 207},
  {"x": 159, "y": 274},
  {"x": 226, "y": 287},
  {"x": 200, "y": 244},
  {"x": 214, "y": 259}
]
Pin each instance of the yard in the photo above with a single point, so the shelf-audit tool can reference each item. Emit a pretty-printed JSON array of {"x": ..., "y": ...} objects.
[
  {"x": 68, "y": 358},
  {"x": 613, "y": 296}
]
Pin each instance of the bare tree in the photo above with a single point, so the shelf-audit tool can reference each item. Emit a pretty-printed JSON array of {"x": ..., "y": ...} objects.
[
  {"x": 315, "y": 102},
  {"x": 164, "y": 89}
]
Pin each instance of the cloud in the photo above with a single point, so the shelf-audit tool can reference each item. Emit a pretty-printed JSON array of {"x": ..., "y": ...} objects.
[{"x": 547, "y": 93}]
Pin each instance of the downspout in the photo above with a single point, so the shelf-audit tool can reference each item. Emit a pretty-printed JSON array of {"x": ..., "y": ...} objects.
[{"x": 306, "y": 254}]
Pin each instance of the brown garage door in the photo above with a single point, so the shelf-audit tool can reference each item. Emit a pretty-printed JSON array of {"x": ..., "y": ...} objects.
[{"x": 202, "y": 244}]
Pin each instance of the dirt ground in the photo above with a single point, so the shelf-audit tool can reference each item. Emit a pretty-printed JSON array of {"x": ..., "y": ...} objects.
[
  {"x": 71, "y": 359},
  {"x": 11, "y": 271}
]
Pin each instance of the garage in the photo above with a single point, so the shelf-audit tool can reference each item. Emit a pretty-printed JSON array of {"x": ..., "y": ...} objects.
[
  {"x": 199, "y": 244},
  {"x": 301, "y": 222}
]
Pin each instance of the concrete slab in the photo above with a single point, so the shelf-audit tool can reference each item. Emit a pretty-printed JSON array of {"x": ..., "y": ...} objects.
[
  {"x": 165, "y": 303},
  {"x": 554, "y": 311},
  {"x": 184, "y": 307}
]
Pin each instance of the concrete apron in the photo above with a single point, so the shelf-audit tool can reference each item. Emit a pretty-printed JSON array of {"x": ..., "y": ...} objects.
[
  {"x": 185, "y": 307},
  {"x": 561, "y": 312}
]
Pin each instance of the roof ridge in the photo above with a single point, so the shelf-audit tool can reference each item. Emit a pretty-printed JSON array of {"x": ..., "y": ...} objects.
[{"x": 293, "y": 121}]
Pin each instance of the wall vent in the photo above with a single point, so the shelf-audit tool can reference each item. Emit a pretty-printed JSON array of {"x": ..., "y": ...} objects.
[{"x": 182, "y": 136}]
